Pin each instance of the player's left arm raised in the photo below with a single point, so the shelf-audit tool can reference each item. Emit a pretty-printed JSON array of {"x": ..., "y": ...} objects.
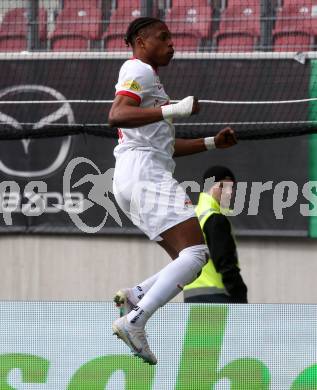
[{"x": 225, "y": 138}]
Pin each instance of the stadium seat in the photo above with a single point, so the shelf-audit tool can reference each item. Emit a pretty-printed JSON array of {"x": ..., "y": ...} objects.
[
  {"x": 295, "y": 15},
  {"x": 301, "y": 3},
  {"x": 12, "y": 42},
  {"x": 293, "y": 41},
  {"x": 186, "y": 41},
  {"x": 295, "y": 28},
  {"x": 190, "y": 3},
  {"x": 128, "y": 4},
  {"x": 189, "y": 22},
  {"x": 236, "y": 42},
  {"x": 13, "y": 30},
  {"x": 82, "y": 4},
  {"x": 76, "y": 28},
  {"x": 113, "y": 38},
  {"x": 239, "y": 28},
  {"x": 243, "y": 3}
]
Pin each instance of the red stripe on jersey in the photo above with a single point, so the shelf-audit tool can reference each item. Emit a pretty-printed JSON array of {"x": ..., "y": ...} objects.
[{"x": 130, "y": 94}]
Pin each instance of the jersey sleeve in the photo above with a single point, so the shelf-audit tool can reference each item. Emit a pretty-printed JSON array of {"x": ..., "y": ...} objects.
[{"x": 134, "y": 81}]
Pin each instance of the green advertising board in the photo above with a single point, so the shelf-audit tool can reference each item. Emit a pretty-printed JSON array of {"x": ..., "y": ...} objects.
[{"x": 70, "y": 346}]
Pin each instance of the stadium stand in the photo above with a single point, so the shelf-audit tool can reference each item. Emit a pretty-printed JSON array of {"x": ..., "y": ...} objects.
[
  {"x": 190, "y": 22},
  {"x": 239, "y": 28},
  {"x": 77, "y": 26},
  {"x": 296, "y": 27},
  {"x": 13, "y": 30},
  {"x": 120, "y": 18},
  {"x": 223, "y": 26}
]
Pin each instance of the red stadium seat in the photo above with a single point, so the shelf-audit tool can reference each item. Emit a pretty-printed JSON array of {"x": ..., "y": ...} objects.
[
  {"x": 236, "y": 42},
  {"x": 70, "y": 42},
  {"x": 293, "y": 41},
  {"x": 82, "y": 4},
  {"x": 295, "y": 28},
  {"x": 12, "y": 42},
  {"x": 13, "y": 30},
  {"x": 129, "y": 4},
  {"x": 301, "y": 3},
  {"x": 190, "y": 3},
  {"x": 296, "y": 16},
  {"x": 189, "y": 22},
  {"x": 186, "y": 41},
  {"x": 243, "y": 3},
  {"x": 115, "y": 43},
  {"x": 76, "y": 28},
  {"x": 113, "y": 38},
  {"x": 239, "y": 28}
]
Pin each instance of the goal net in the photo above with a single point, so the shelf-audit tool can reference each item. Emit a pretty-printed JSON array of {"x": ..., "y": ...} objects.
[{"x": 250, "y": 63}]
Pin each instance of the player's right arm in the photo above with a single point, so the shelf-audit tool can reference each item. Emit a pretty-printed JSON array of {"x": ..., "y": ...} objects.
[
  {"x": 126, "y": 112},
  {"x": 135, "y": 83}
]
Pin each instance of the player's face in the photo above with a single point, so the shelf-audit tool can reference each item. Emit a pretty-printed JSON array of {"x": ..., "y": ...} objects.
[{"x": 158, "y": 45}]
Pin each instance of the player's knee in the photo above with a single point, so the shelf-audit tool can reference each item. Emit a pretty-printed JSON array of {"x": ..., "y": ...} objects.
[{"x": 199, "y": 253}]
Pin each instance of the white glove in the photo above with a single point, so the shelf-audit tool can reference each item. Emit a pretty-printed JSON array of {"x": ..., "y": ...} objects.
[{"x": 182, "y": 109}]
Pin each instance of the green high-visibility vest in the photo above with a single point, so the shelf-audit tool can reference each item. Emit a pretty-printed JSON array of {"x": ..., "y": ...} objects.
[{"x": 209, "y": 281}]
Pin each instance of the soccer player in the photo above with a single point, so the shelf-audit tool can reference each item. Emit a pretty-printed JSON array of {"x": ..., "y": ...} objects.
[{"x": 144, "y": 186}]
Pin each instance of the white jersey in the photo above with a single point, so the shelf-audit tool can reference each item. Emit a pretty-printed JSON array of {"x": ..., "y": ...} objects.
[
  {"x": 143, "y": 183},
  {"x": 141, "y": 82}
]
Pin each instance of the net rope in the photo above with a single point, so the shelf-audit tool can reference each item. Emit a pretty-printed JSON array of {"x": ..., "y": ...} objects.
[
  {"x": 264, "y": 130},
  {"x": 83, "y": 101}
]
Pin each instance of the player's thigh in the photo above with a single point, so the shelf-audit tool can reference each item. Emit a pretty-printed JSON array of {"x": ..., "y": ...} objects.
[
  {"x": 173, "y": 253},
  {"x": 185, "y": 234}
]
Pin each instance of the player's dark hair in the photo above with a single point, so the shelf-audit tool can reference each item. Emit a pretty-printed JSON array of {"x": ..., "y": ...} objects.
[{"x": 136, "y": 25}]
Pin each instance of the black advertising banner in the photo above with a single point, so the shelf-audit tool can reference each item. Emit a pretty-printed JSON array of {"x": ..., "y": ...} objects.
[{"x": 64, "y": 184}]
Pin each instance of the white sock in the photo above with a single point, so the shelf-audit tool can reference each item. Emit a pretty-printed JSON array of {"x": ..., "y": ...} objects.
[
  {"x": 143, "y": 287},
  {"x": 170, "y": 281}
]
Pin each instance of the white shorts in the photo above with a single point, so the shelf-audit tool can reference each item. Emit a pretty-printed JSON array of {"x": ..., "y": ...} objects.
[{"x": 148, "y": 194}]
